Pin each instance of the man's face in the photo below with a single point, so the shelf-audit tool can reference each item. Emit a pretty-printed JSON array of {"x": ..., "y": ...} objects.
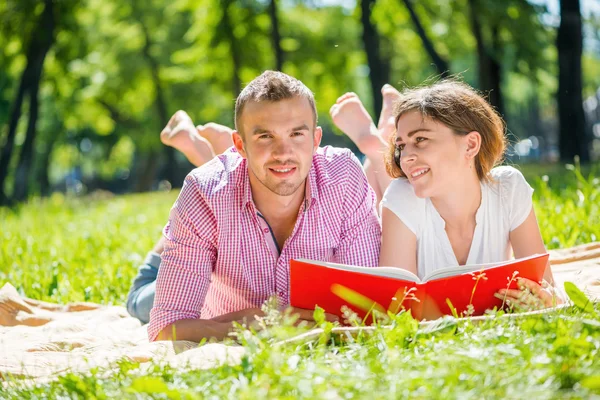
[{"x": 279, "y": 140}]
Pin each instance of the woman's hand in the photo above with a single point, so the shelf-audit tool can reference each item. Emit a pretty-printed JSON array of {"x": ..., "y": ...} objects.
[{"x": 530, "y": 295}]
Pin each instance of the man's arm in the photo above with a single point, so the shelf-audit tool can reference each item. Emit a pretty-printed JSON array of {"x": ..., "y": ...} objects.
[
  {"x": 361, "y": 231},
  {"x": 218, "y": 328},
  {"x": 190, "y": 251}
]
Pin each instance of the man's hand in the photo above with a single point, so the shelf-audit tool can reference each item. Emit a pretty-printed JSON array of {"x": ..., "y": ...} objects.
[
  {"x": 306, "y": 317},
  {"x": 243, "y": 316},
  {"x": 530, "y": 295}
]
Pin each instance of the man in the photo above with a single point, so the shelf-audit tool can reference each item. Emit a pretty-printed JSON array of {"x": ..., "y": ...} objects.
[{"x": 241, "y": 217}]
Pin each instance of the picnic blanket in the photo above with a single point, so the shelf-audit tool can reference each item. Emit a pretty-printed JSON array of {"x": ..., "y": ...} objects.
[{"x": 39, "y": 341}]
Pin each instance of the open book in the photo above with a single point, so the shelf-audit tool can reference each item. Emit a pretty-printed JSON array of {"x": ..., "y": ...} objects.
[{"x": 331, "y": 286}]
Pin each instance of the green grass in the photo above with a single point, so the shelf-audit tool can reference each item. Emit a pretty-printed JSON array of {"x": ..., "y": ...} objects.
[{"x": 63, "y": 250}]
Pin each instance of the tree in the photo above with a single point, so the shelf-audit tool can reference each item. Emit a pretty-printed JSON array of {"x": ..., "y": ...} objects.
[
  {"x": 440, "y": 63},
  {"x": 488, "y": 55},
  {"x": 275, "y": 35},
  {"x": 571, "y": 118},
  {"x": 379, "y": 71},
  {"x": 160, "y": 104},
  {"x": 39, "y": 45}
]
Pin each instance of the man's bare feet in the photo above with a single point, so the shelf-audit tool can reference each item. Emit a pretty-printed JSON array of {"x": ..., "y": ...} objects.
[
  {"x": 386, "y": 126},
  {"x": 181, "y": 134},
  {"x": 218, "y": 135},
  {"x": 351, "y": 117}
]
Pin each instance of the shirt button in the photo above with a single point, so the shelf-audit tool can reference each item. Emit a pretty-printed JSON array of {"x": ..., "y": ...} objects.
[
  {"x": 266, "y": 230},
  {"x": 281, "y": 294}
]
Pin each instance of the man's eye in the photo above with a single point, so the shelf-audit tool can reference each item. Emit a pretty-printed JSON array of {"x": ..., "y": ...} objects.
[
  {"x": 297, "y": 134},
  {"x": 264, "y": 137}
]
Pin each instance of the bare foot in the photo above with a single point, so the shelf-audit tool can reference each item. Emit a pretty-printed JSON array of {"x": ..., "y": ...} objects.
[
  {"x": 218, "y": 135},
  {"x": 351, "y": 117},
  {"x": 181, "y": 134},
  {"x": 386, "y": 126}
]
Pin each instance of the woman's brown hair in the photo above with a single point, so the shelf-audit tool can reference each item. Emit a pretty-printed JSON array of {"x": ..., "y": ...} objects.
[{"x": 460, "y": 108}]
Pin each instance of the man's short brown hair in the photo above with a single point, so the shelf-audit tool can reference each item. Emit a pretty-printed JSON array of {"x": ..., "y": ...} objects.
[{"x": 273, "y": 86}]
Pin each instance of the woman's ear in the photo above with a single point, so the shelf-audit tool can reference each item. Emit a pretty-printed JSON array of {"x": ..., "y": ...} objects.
[{"x": 473, "y": 144}]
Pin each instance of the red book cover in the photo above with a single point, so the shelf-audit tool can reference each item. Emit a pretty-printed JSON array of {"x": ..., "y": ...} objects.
[{"x": 315, "y": 283}]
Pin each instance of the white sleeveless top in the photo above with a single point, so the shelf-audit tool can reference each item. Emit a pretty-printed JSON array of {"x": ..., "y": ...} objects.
[{"x": 505, "y": 204}]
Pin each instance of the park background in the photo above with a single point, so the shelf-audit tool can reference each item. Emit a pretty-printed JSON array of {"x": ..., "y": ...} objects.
[{"x": 87, "y": 86}]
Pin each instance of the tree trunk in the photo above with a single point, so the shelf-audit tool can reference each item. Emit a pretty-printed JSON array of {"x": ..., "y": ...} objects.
[
  {"x": 571, "y": 118},
  {"x": 489, "y": 69},
  {"x": 233, "y": 47},
  {"x": 440, "y": 63},
  {"x": 21, "y": 186},
  {"x": 42, "y": 41},
  {"x": 15, "y": 115},
  {"x": 379, "y": 71},
  {"x": 275, "y": 36},
  {"x": 170, "y": 167},
  {"x": 44, "y": 167},
  {"x": 148, "y": 168}
]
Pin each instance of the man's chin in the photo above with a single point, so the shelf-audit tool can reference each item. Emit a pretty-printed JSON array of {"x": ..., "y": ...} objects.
[{"x": 285, "y": 189}]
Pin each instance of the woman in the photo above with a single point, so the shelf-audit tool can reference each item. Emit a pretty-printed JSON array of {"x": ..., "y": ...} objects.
[{"x": 448, "y": 205}]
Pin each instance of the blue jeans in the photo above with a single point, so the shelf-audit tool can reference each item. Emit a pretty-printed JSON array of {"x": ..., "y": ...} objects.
[{"x": 141, "y": 295}]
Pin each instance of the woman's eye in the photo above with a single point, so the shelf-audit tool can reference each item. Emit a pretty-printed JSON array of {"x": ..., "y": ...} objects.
[
  {"x": 400, "y": 147},
  {"x": 421, "y": 139}
]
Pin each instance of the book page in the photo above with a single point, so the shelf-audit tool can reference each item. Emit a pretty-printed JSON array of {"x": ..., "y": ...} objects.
[
  {"x": 463, "y": 269},
  {"x": 389, "y": 272}
]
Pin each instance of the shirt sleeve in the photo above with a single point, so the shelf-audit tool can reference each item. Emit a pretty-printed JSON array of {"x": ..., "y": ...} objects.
[
  {"x": 187, "y": 260},
  {"x": 517, "y": 194},
  {"x": 361, "y": 232},
  {"x": 400, "y": 198}
]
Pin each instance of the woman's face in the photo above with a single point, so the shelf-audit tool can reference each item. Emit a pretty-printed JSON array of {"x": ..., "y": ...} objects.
[{"x": 432, "y": 156}]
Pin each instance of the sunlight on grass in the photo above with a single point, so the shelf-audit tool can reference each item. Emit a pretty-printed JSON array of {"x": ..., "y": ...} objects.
[{"x": 63, "y": 250}]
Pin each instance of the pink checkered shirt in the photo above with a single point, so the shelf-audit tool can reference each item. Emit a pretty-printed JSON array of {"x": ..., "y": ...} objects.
[{"x": 218, "y": 257}]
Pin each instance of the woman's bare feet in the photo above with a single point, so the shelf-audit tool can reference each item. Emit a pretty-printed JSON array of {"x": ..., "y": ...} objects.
[
  {"x": 218, "y": 135},
  {"x": 351, "y": 117},
  {"x": 181, "y": 134},
  {"x": 386, "y": 126}
]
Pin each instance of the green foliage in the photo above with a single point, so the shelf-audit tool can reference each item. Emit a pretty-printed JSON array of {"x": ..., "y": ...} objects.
[
  {"x": 63, "y": 249},
  {"x": 98, "y": 81},
  {"x": 567, "y": 205},
  {"x": 103, "y": 240},
  {"x": 552, "y": 355}
]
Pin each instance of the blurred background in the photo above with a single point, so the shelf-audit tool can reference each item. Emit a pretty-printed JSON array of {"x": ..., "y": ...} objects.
[{"x": 86, "y": 86}]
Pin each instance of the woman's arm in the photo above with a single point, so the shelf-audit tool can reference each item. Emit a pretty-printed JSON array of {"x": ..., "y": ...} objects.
[
  {"x": 526, "y": 240},
  {"x": 398, "y": 243}
]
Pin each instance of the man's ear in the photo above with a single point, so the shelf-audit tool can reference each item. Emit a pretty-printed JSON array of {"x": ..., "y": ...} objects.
[
  {"x": 317, "y": 138},
  {"x": 473, "y": 144},
  {"x": 238, "y": 142}
]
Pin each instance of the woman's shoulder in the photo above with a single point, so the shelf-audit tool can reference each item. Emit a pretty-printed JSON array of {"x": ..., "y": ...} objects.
[
  {"x": 400, "y": 188},
  {"x": 506, "y": 173},
  {"x": 400, "y": 198},
  {"x": 512, "y": 193},
  {"x": 508, "y": 179}
]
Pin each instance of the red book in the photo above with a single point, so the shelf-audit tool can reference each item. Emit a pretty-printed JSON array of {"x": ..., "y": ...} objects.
[{"x": 328, "y": 285}]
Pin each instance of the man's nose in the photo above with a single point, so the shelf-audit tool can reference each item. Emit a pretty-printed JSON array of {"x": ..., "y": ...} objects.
[{"x": 283, "y": 148}]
